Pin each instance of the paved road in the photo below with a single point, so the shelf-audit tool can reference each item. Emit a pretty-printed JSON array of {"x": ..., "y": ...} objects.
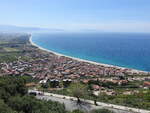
[
  {"x": 87, "y": 105},
  {"x": 72, "y": 105}
]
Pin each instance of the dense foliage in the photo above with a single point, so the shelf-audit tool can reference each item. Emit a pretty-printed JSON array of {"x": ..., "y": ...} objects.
[
  {"x": 14, "y": 98},
  {"x": 102, "y": 111}
]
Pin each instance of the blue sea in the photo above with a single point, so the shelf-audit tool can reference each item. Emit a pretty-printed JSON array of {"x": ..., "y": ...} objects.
[{"x": 131, "y": 50}]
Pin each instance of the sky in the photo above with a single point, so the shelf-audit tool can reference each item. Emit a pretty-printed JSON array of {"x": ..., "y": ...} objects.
[{"x": 88, "y": 15}]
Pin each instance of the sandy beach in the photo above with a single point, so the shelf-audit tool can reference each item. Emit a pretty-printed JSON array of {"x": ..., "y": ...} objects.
[{"x": 87, "y": 61}]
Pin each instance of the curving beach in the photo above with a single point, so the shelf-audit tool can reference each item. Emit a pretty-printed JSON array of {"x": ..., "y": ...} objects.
[{"x": 87, "y": 61}]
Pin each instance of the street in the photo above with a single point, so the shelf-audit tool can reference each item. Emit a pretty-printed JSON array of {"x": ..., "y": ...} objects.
[
  {"x": 86, "y": 105},
  {"x": 72, "y": 105}
]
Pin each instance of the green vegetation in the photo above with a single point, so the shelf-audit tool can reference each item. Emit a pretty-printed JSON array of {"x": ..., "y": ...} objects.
[
  {"x": 8, "y": 49},
  {"x": 28, "y": 104},
  {"x": 14, "y": 98},
  {"x": 8, "y": 57},
  {"x": 102, "y": 111},
  {"x": 12, "y": 46},
  {"x": 3, "y": 42},
  {"x": 94, "y": 111},
  {"x": 77, "y": 111},
  {"x": 141, "y": 99},
  {"x": 77, "y": 91},
  {"x": 4, "y": 108},
  {"x": 13, "y": 93}
]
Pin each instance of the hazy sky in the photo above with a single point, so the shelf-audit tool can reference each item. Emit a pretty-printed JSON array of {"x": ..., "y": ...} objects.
[{"x": 103, "y": 15}]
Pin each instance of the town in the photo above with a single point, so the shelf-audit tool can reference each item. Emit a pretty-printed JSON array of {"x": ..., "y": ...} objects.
[{"x": 56, "y": 73}]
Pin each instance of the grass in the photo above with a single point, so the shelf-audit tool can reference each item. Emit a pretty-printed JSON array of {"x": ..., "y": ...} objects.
[
  {"x": 4, "y": 42},
  {"x": 8, "y": 57},
  {"x": 8, "y": 49}
]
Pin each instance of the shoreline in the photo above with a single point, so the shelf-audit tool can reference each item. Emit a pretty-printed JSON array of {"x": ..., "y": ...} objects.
[{"x": 86, "y": 61}]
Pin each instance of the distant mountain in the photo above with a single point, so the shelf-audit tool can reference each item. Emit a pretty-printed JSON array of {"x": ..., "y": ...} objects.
[{"x": 11, "y": 28}]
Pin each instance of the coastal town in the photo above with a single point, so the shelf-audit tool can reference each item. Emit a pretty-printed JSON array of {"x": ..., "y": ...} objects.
[
  {"x": 49, "y": 65},
  {"x": 50, "y": 68},
  {"x": 75, "y": 56}
]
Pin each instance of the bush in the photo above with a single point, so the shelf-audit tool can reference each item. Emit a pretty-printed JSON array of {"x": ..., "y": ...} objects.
[
  {"x": 102, "y": 111},
  {"x": 4, "y": 108},
  {"x": 14, "y": 98},
  {"x": 29, "y": 104},
  {"x": 77, "y": 111}
]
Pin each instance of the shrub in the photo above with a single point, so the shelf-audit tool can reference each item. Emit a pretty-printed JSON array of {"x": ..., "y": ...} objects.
[{"x": 102, "y": 111}]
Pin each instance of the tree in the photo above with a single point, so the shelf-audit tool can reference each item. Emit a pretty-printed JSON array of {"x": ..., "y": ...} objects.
[
  {"x": 14, "y": 98},
  {"x": 4, "y": 108},
  {"x": 11, "y": 86},
  {"x": 78, "y": 91},
  {"x": 29, "y": 104}
]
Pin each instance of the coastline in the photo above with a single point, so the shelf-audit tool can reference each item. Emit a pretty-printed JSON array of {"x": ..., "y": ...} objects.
[{"x": 87, "y": 61}]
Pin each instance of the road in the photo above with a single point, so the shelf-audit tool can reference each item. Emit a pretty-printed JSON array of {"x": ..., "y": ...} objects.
[
  {"x": 87, "y": 105},
  {"x": 72, "y": 105}
]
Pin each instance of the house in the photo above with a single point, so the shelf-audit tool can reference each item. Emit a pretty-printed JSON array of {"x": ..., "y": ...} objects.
[
  {"x": 96, "y": 87},
  {"x": 146, "y": 84},
  {"x": 85, "y": 81},
  {"x": 43, "y": 82}
]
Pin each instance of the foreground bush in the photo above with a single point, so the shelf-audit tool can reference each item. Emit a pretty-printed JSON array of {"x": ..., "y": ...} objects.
[
  {"x": 102, "y": 111},
  {"x": 29, "y": 104},
  {"x": 14, "y": 98},
  {"x": 4, "y": 108},
  {"x": 77, "y": 111}
]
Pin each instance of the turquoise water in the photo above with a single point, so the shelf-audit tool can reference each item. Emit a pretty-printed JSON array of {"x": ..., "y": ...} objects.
[{"x": 130, "y": 50}]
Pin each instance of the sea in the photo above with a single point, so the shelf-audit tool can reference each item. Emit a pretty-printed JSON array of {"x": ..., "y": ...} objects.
[{"x": 130, "y": 50}]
